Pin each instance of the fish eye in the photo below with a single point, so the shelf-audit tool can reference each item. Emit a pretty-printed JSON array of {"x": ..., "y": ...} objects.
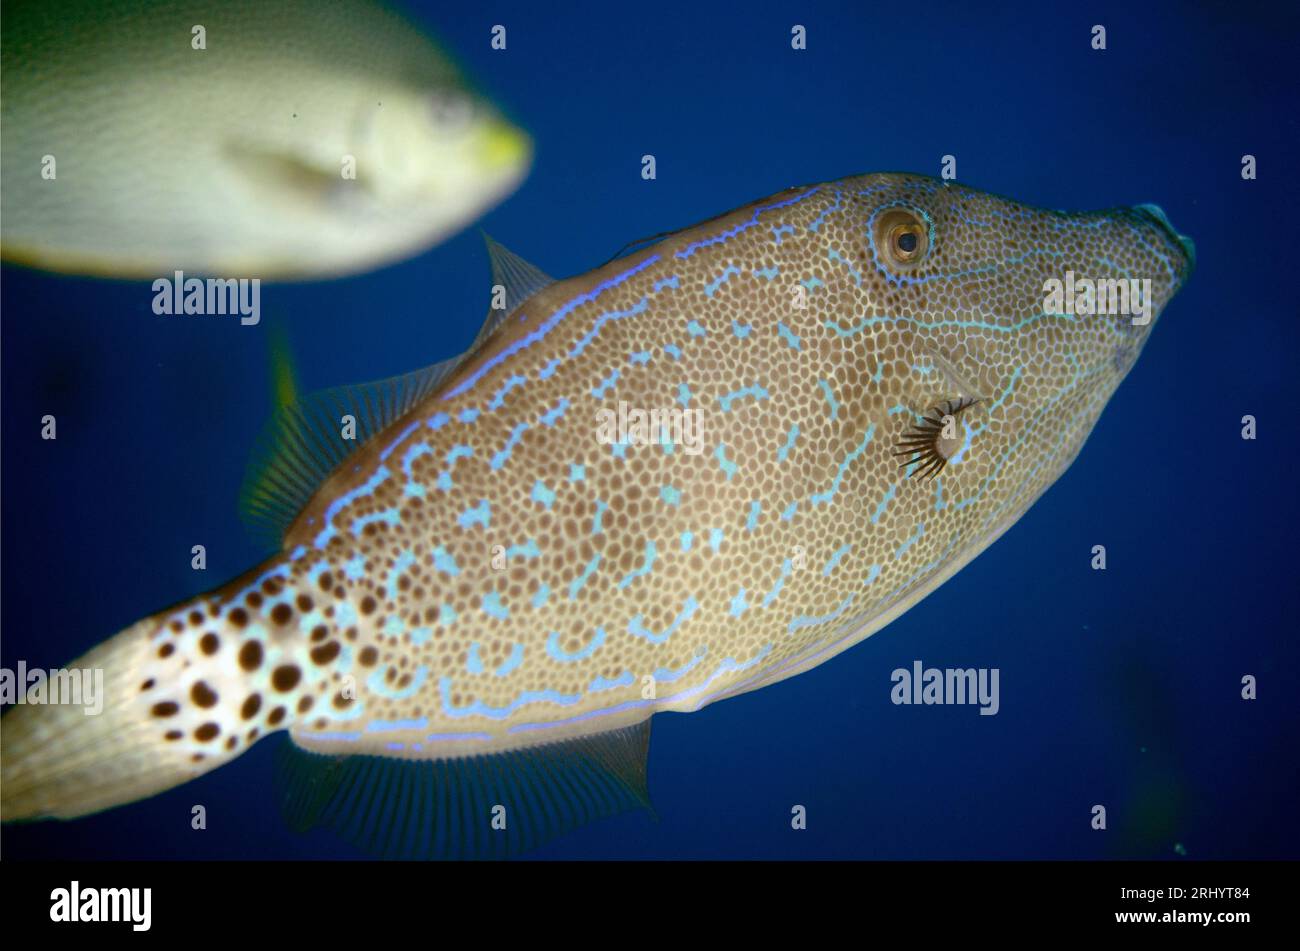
[
  {"x": 902, "y": 238},
  {"x": 451, "y": 112}
]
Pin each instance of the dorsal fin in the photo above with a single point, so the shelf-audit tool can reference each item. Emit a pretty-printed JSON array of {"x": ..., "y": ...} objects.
[
  {"x": 445, "y": 809},
  {"x": 284, "y": 375},
  {"x": 304, "y": 442},
  {"x": 640, "y": 244},
  {"x": 520, "y": 279}
]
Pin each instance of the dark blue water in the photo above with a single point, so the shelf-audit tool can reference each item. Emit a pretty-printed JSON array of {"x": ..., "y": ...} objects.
[{"x": 1119, "y": 688}]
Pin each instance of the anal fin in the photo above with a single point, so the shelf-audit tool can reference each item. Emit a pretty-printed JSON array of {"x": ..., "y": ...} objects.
[{"x": 476, "y": 807}]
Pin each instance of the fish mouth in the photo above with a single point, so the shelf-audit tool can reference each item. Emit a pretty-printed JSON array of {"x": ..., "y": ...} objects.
[
  {"x": 504, "y": 147},
  {"x": 1182, "y": 247}
]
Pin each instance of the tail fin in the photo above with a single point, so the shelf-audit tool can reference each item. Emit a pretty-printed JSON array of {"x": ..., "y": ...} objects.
[{"x": 64, "y": 760}]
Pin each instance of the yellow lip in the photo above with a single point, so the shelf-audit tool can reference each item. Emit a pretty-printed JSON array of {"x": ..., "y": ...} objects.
[{"x": 503, "y": 146}]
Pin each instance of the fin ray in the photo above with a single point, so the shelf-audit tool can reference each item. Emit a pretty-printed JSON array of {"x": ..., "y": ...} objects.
[
  {"x": 520, "y": 279},
  {"x": 434, "y": 809},
  {"x": 303, "y": 443}
]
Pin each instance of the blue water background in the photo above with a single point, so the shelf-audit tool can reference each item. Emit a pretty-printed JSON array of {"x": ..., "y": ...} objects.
[{"x": 1118, "y": 687}]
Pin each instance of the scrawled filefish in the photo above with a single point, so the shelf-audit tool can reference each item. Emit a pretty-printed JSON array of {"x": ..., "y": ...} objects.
[
  {"x": 693, "y": 472},
  {"x": 292, "y": 139}
]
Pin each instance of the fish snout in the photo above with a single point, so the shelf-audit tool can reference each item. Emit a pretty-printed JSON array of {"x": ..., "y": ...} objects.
[
  {"x": 504, "y": 148},
  {"x": 1176, "y": 251},
  {"x": 1163, "y": 260}
]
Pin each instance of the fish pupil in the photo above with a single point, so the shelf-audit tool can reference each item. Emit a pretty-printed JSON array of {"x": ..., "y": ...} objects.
[{"x": 907, "y": 242}]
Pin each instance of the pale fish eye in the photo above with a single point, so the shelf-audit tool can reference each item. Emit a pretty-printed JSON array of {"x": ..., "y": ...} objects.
[{"x": 452, "y": 113}]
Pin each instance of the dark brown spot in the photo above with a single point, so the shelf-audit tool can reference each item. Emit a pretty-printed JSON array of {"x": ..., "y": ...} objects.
[
  {"x": 239, "y": 617},
  {"x": 196, "y": 618},
  {"x": 147, "y": 685},
  {"x": 209, "y": 643},
  {"x": 203, "y": 695},
  {"x": 341, "y": 702},
  {"x": 285, "y": 677},
  {"x": 281, "y": 614},
  {"x": 206, "y": 732},
  {"x": 251, "y": 706},
  {"x": 173, "y": 734},
  {"x": 276, "y": 716},
  {"x": 368, "y": 656},
  {"x": 325, "y": 653},
  {"x": 166, "y": 650},
  {"x": 165, "y": 709},
  {"x": 368, "y": 604},
  {"x": 250, "y": 655},
  {"x": 304, "y": 603},
  {"x": 326, "y": 581},
  {"x": 305, "y": 704},
  {"x": 232, "y": 742},
  {"x": 254, "y": 599},
  {"x": 197, "y": 758},
  {"x": 319, "y": 633}
]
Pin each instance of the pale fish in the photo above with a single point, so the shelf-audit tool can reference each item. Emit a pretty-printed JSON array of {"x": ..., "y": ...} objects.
[
  {"x": 478, "y": 611},
  {"x": 305, "y": 139}
]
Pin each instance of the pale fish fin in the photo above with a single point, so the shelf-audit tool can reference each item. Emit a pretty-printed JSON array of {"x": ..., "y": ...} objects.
[
  {"x": 304, "y": 442},
  {"x": 444, "y": 809},
  {"x": 962, "y": 386},
  {"x": 520, "y": 279},
  {"x": 63, "y": 760},
  {"x": 285, "y": 176}
]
